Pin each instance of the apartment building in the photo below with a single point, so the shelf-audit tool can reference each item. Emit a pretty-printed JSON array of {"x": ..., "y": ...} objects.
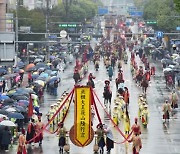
[{"x": 32, "y": 4}]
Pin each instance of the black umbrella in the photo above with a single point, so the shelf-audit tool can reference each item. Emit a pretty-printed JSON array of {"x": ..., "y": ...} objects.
[
  {"x": 8, "y": 102},
  {"x": 20, "y": 64},
  {"x": 15, "y": 115},
  {"x": 32, "y": 69},
  {"x": 20, "y": 108},
  {"x": 8, "y": 76},
  {"x": 20, "y": 97},
  {"x": 3, "y": 112},
  {"x": 40, "y": 65}
]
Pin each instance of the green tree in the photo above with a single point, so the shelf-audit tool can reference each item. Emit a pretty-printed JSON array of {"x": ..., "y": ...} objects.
[
  {"x": 177, "y": 5},
  {"x": 162, "y": 12},
  {"x": 33, "y": 18}
]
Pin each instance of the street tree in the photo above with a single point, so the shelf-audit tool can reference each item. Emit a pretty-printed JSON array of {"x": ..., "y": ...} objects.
[
  {"x": 177, "y": 5},
  {"x": 163, "y": 12}
]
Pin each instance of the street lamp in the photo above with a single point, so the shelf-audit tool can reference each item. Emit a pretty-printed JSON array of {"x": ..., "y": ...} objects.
[
  {"x": 47, "y": 29},
  {"x": 16, "y": 32}
]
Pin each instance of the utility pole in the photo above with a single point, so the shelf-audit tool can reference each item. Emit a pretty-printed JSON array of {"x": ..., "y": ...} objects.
[
  {"x": 16, "y": 33},
  {"x": 47, "y": 29}
]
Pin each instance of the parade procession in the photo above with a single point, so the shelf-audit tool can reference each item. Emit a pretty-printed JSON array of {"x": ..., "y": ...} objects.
[{"x": 105, "y": 84}]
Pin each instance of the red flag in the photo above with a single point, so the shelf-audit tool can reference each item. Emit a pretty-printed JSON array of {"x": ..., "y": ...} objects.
[{"x": 30, "y": 107}]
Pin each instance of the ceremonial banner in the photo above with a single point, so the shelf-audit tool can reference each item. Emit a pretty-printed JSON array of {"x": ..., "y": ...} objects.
[{"x": 82, "y": 122}]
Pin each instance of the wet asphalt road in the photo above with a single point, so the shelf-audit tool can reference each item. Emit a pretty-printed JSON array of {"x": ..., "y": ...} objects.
[{"x": 157, "y": 138}]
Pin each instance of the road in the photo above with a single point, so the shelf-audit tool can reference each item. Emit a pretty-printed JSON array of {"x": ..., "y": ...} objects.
[{"x": 157, "y": 138}]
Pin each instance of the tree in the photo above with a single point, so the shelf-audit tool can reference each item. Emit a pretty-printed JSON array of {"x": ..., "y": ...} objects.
[
  {"x": 34, "y": 19},
  {"x": 177, "y": 5},
  {"x": 162, "y": 12}
]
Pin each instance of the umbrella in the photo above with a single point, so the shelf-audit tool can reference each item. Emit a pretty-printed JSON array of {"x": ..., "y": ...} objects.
[
  {"x": 171, "y": 66},
  {"x": 45, "y": 75},
  {"x": 20, "y": 108},
  {"x": 8, "y": 102},
  {"x": 3, "y": 71},
  {"x": 54, "y": 78},
  {"x": 52, "y": 57},
  {"x": 25, "y": 90},
  {"x": 42, "y": 78},
  {"x": 48, "y": 64},
  {"x": 41, "y": 69},
  {"x": 31, "y": 69},
  {"x": 35, "y": 76},
  {"x": 48, "y": 71},
  {"x": 3, "y": 116},
  {"x": 16, "y": 70},
  {"x": 40, "y": 82},
  {"x": 2, "y": 78},
  {"x": 20, "y": 97},
  {"x": 10, "y": 92},
  {"x": 41, "y": 65},
  {"x": 8, "y": 76},
  {"x": 15, "y": 115},
  {"x": 23, "y": 103},
  {"x": 54, "y": 73},
  {"x": 167, "y": 70},
  {"x": 20, "y": 64},
  {"x": 7, "y": 123},
  {"x": 4, "y": 97},
  {"x": 37, "y": 60},
  {"x": 167, "y": 61},
  {"x": 3, "y": 112},
  {"x": 29, "y": 66},
  {"x": 10, "y": 109},
  {"x": 34, "y": 96},
  {"x": 177, "y": 59}
]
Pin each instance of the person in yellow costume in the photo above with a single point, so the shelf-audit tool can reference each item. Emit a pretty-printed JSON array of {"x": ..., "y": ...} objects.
[
  {"x": 140, "y": 99},
  {"x": 126, "y": 122},
  {"x": 122, "y": 105},
  {"x": 59, "y": 113},
  {"x": 116, "y": 115},
  {"x": 50, "y": 115},
  {"x": 56, "y": 117},
  {"x": 145, "y": 115}
]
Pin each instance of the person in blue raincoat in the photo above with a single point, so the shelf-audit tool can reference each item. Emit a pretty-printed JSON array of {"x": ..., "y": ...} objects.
[{"x": 110, "y": 72}]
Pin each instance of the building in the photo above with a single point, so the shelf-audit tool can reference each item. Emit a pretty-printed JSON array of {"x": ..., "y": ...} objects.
[
  {"x": 32, "y": 4},
  {"x": 2, "y": 15}
]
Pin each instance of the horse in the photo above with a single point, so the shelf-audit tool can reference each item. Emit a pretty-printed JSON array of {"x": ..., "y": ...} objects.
[
  {"x": 107, "y": 96},
  {"x": 139, "y": 78},
  {"x": 91, "y": 83}
]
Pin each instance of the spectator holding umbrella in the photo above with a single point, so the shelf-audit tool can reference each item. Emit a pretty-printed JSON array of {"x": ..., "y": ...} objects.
[
  {"x": 55, "y": 87},
  {"x": 6, "y": 139}
]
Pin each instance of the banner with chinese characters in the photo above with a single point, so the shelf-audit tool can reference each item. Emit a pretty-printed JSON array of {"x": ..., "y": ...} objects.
[{"x": 82, "y": 122}]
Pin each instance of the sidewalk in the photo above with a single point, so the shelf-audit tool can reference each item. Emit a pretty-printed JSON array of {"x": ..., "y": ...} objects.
[{"x": 159, "y": 71}]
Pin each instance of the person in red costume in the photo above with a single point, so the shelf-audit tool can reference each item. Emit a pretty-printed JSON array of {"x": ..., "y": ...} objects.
[
  {"x": 90, "y": 80},
  {"x": 136, "y": 127}
]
